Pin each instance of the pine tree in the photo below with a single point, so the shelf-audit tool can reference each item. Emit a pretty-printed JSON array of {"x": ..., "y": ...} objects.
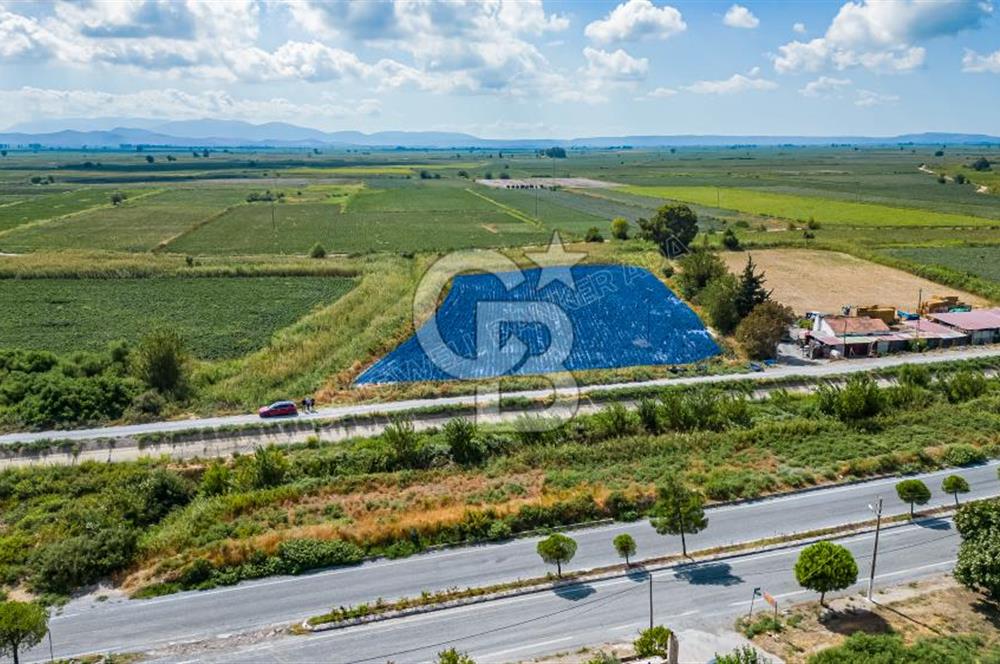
[{"x": 751, "y": 291}]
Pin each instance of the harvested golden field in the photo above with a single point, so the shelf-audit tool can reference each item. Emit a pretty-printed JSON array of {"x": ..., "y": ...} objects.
[{"x": 812, "y": 280}]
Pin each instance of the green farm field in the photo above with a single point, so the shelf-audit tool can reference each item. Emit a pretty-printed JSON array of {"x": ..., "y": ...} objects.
[
  {"x": 981, "y": 261},
  {"x": 216, "y": 317},
  {"x": 803, "y": 208},
  {"x": 21, "y": 209},
  {"x": 139, "y": 224}
]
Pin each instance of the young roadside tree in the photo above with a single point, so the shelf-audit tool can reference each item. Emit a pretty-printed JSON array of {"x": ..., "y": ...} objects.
[
  {"x": 698, "y": 269},
  {"x": 452, "y": 656},
  {"x": 762, "y": 331},
  {"x": 720, "y": 302},
  {"x": 955, "y": 484},
  {"x": 558, "y": 550},
  {"x": 978, "y": 566},
  {"x": 825, "y": 566},
  {"x": 625, "y": 546},
  {"x": 678, "y": 511},
  {"x": 23, "y": 625},
  {"x": 914, "y": 492},
  {"x": 751, "y": 291},
  {"x": 161, "y": 362},
  {"x": 619, "y": 228},
  {"x": 672, "y": 229}
]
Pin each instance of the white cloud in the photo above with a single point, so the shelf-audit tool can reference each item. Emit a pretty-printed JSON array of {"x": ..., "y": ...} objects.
[
  {"x": 739, "y": 16},
  {"x": 881, "y": 36},
  {"x": 30, "y": 102},
  {"x": 800, "y": 28},
  {"x": 867, "y": 98},
  {"x": 734, "y": 84},
  {"x": 615, "y": 66},
  {"x": 661, "y": 93},
  {"x": 825, "y": 86},
  {"x": 974, "y": 63},
  {"x": 634, "y": 20}
]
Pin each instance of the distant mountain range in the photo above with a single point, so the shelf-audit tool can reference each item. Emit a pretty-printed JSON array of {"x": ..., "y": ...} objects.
[{"x": 113, "y": 132}]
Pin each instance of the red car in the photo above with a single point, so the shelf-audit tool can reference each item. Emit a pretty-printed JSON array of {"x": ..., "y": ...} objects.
[{"x": 279, "y": 409}]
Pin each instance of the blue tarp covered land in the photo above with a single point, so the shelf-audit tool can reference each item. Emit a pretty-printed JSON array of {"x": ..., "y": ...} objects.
[{"x": 615, "y": 316}]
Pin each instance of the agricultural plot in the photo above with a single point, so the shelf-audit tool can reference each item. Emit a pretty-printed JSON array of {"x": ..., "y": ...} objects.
[
  {"x": 547, "y": 210},
  {"x": 139, "y": 224},
  {"x": 25, "y": 209},
  {"x": 825, "y": 281},
  {"x": 217, "y": 317},
  {"x": 802, "y": 208},
  {"x": 405, "y": 219},
  {"x": 616, "y": 316},
  {"x": 979, "y": 261}
]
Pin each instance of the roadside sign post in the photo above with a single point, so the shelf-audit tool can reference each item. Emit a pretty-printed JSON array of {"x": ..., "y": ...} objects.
[
  {"x": 769, "y": 598},
  {"x": 877, "y": 509},
  {"x": 756, "y": 594},
  {"x": 650, "y": 600}
]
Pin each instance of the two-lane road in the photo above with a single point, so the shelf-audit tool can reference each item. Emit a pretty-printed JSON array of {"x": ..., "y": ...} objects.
[{"x": 122, "y": 625}]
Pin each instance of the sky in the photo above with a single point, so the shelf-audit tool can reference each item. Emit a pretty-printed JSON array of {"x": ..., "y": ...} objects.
[{"x": 506, "y": 69}]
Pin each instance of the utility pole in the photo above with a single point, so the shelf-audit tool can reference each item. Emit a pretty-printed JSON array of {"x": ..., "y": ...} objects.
[
  {"x": 877, "y": 508},
  {"x": 650, "y": 574}
]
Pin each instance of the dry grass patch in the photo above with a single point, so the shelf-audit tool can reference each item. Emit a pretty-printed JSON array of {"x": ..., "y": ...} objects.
[{"x": 809, "y": 280}]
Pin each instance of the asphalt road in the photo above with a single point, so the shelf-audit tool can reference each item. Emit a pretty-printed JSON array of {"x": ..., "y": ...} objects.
[
  {"x": 86, "y": 625},
  {"x": 706, "y": 596},
  {"x": 783, "y": 371}
]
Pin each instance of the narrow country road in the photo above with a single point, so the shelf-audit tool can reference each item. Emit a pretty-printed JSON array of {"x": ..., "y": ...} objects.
[
  {"x": 831, "y": 369},
  {"x": 86, "y": 625}
]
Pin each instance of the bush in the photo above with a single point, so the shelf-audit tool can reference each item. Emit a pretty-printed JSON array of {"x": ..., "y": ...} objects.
[
  {"x": 858, "y": 400},
  {"x": 593, "y": 235},
  {"x": 964, "y": 455},
  {"x": 300, "y": 555},
  {"x": 964, "y": 385},
  {"x": 730, "y": 241},
  {"x": 160, "y": 362},
  {"x": 981, "y": 164},
  {"x": 744, "y": 655},
  {"x": 463, "y": 444},
  {"x": 317, "y": 251},
  {"x": 499, "y": 530},
  {"x": 619, "y": 228},
  {"x": 698, "y": 268},
  {"x": 614, "y": 421},
  {"x": 81, "y": 560},
  {"x": 653, "y": 642},
  {"x": 761, "y": 331}
]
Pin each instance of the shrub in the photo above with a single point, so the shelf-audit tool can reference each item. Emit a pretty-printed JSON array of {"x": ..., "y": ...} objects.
[
  {"x": 593, "y": 235},
  {"x": 77, "y": 561},
  {"x": 858, "y": 400},
  {"x": 499, "y": 530},
  {"x": 761, "y": 331},
  {"x": 300, "y": 555},
  {"x": 619, "y": 228},
  {"x": 463, "y": 444},
  {"x": 160, "y": 362},
  {"x": 964, "y": 455},
  {"x": 317, "y": 251},
  {"x": 765, "y": 624},
  {"x": 614, "y": 421},
  {"x": 964, "y": 385},
  {"x": 653, "y": 642},
  {"x": 698, "y": 268},
  {"x": 730, "y": 241},
  {"x": 649, "y": 416},
  {"x": 915, "y": 375},
  {"x": 743, "y": 655}
]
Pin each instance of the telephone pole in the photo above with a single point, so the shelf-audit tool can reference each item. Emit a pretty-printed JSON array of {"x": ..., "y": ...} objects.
[
  {"x": 877, "y": 509},
  {"x": 650, "y": 574}
]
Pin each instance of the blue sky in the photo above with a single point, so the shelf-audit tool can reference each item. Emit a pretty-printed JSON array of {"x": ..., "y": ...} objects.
[{"x": 512, "y": 69}]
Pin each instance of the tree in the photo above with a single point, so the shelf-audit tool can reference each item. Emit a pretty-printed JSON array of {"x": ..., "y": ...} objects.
[
  {"x": 117, "y": 198},
  {"x": 955, "y": 484},
  {"x": 751, "y": 290},
  {"x": 914, "y": 492},
  {"x": 960, "y": 178},
  {"x": 978, "y": 566},
  {"x": 653, "y": 642},
  {"x": 150, "y": 159},
  {"x": 825, "y": 566},
  {"x": 719, "y": 302},
  {"x": 672, "y": 229},
  {"x": 678, "y": 511},
  {"x": 558, "y": 550},
  {"x": 730, "y": 241},
  {"x": 593, "y": 235},
  {"x": 23, "y": 625},
  {"x": 317, "y": 251},
  {"x": 160, "y": 361},
  {"x": 698, "y": 269},
  {"x": 463, "y": 444},
  {"x": 981, "y": 164},
  {"x": 625, "y": 546},
  {"x": 452, "y": 656},
  {"x": 619, "y": 228},
  {"x": 762, "y": 331},
  {"x": 555, "y": 153}
]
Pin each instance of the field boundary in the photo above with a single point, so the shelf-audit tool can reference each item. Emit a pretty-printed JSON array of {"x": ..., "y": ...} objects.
[
  {"x": 516, "y": 214},
  {"x": 201, "y": 223}
]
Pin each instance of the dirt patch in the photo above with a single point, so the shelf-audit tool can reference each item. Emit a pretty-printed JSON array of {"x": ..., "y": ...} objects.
[
  {"x": 931, "y": 608},
  {"x": 810, "y": 280},
  {"x": 490, "y": 228}
]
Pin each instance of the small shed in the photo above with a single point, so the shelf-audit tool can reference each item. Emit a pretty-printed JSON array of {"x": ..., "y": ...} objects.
[{"x": 981, "y": 325}]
